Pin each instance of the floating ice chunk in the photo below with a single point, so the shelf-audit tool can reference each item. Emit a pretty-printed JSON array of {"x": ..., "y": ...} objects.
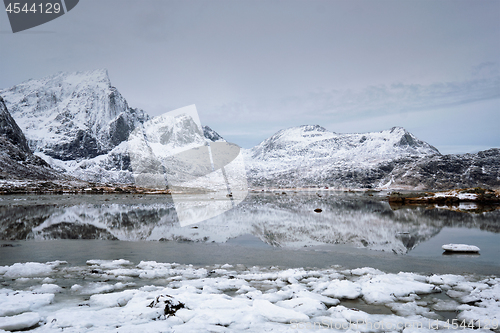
[
  {"x": 46, "y": 289},
  {"x": 323, "y": 299},
  {"x": 342, "y": 289},
  {"x": 19, "y": 322},
  {"x": 366, "y": 270},
  {"x": 351, "y": 315},
  {"x": 48, "y": 280},
  {"x": 448, "y": 279},
  {"x": 110, "y": 263},
  {"x": 16, "y": 302},
  {"x": 387, "y": 288},
  {"x": 98, "y": 288},
  {"x": 460, "y": 248},
  {"x": 442, "y": 305},
  {"x": 277, "y": 314},
  {"x": 306, "y": 305},
  {"x": 30, "y": 269},
  {"x": 113, "y": 299},
  {"x": 412, "y": 309}
]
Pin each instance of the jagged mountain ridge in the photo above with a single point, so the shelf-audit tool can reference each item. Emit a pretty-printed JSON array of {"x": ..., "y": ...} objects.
[
  {"x": 72, "y": 116},
  {"x": 78, "y": 123}
]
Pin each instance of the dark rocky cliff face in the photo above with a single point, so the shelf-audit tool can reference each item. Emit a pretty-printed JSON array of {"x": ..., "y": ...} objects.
[
  {"x": 9, "y": 129},
  {"x": 16, "y": 159}
]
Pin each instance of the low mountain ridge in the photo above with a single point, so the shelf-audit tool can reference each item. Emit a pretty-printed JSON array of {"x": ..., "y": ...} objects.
[{"x": 310, "y": 155}]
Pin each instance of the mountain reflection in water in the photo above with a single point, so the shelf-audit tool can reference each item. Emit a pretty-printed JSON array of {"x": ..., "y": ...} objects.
[{"x": 278, "y": 220}]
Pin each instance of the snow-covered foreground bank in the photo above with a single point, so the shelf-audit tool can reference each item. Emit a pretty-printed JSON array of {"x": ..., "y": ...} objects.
[{"x": 119, "y": 296}]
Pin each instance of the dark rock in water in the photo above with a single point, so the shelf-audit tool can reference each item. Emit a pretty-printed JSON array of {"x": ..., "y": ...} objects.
[{"x": 318, "y": 210}]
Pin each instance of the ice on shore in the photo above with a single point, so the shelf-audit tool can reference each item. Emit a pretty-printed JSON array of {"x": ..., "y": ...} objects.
[
  {"x": 163, "y": 297},
  {"x": 19, "y": 322}
]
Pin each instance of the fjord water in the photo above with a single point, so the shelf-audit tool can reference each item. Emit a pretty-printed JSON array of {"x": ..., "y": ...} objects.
[{"x": 267, "y": 229}]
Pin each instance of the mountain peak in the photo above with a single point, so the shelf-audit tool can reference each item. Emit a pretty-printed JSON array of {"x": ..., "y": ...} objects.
[
  {"x": 398, "y": 129},
  {"x": 212, "y": 135},
  {"x": 72, "y": 115},
  {"x": 70, "y": 79}
]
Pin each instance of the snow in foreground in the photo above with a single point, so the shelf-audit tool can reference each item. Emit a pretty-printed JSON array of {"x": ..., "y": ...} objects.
[{"x": 119, "y": 296}]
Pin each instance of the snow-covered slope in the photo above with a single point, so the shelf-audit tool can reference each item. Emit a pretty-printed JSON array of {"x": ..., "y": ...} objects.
[
  {"x": 72, "y": 116},
  {"x": 311, "y": 155}
]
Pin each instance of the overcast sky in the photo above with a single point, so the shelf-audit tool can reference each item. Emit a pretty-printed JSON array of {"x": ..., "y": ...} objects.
[{"x": 254, "y": 67}]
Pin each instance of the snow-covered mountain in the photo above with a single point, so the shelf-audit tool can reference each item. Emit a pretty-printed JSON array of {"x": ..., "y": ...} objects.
[
  {"x": 72, "y": 116},
  {"x": 79, "y": 123},
  {"x": 313, "y": 156}
]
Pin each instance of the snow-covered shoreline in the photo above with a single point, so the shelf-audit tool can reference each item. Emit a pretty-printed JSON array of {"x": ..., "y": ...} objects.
[{"x": 121, "y": 296}]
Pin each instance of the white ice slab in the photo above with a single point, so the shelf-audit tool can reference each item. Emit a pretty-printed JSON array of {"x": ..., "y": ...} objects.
[{"x": 460, "y": 248}]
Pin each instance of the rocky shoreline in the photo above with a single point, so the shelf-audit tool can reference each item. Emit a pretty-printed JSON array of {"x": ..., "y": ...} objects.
[{"x": 451, "y": 197}]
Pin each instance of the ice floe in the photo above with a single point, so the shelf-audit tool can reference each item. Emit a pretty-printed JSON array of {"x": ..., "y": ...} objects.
[{"x": 460, "y": 248}]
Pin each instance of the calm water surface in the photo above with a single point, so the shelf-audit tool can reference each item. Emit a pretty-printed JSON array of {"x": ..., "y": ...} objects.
[{"x": 352, "y": 230}]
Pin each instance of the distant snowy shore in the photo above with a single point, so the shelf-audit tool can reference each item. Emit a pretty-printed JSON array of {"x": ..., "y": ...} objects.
[{"x": 120, "y": 296}]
